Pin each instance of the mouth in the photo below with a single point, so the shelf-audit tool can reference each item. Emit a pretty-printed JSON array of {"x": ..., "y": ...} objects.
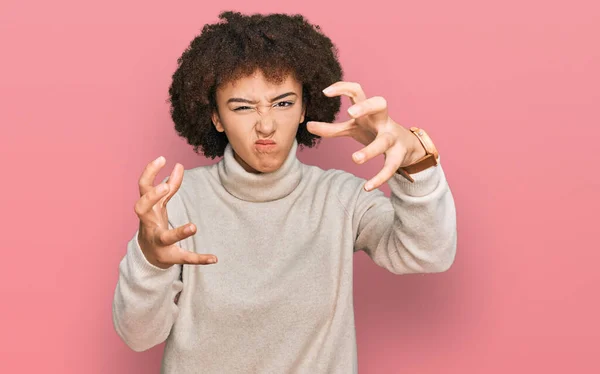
[
  {"x": 265, "y": 142},
  {"x": 265, "y": 146}
]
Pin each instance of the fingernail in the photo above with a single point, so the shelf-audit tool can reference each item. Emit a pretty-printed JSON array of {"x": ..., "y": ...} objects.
[
  {"x": 328, "y": 90},
  {"x": 358, "y": 157},
  {"x": 213, "y": 260},
  {"x": 353, "y": 111},
  {"x": 159, "y": 160},
  {"x": 189, "y": 230},
  {"x": 368, "y": 186}
]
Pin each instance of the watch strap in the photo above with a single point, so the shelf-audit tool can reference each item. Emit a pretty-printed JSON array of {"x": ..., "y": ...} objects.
[{"x": 429, "y": 160}]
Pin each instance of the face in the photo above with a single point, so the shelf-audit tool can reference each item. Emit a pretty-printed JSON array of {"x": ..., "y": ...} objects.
[{"x": 260, "y": 120}]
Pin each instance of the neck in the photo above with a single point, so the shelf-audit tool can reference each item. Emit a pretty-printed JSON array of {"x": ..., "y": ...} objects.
[
  {"x": 244, "y": 164},
  {"x": 255, "y": 186}
]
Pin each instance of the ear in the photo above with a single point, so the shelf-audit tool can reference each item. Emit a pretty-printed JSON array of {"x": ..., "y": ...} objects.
[{"x": 217, "y": 121}]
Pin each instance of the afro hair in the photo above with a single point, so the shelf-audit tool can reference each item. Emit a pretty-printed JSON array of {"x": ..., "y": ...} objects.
[{"x": 278, "y": 45}]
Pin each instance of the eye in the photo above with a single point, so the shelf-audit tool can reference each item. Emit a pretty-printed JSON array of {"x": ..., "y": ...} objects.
[
  {"x": 287, "y": 104},
  {"x": 240, "y": 108}
]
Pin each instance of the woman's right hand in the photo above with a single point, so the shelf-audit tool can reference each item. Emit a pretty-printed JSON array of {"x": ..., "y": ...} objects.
[{"x": 156, "y": 240}]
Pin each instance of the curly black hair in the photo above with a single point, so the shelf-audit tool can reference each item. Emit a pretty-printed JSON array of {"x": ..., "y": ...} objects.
[{"x": 278, "y": 45}]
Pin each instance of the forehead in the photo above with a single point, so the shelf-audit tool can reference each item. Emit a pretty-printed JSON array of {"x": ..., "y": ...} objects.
[{"x": 258, "y": 84}]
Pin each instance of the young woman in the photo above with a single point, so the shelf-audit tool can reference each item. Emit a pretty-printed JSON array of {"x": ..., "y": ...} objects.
[{"x": 245, "y": 266}]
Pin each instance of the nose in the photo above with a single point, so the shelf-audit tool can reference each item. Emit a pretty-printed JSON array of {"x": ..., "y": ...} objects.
[{"x": 265, "y": 124}]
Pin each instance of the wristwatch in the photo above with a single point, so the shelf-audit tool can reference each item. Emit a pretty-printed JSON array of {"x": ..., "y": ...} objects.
[{"x": 429, "y": 160}]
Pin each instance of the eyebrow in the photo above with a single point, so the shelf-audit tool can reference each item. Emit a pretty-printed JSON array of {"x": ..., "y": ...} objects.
[{"x": 240, "y": 100}]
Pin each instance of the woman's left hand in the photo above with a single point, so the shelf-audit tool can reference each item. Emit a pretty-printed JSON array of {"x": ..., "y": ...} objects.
[{"x": 372, "y": 126}]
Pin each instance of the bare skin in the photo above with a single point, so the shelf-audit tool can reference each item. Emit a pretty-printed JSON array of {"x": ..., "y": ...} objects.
[
  {"x": 371, "y": 126},
  {"x": 157, "y": 240}
]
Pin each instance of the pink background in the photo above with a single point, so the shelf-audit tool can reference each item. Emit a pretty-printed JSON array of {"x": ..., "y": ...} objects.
[{"x": 509, "y": 92}]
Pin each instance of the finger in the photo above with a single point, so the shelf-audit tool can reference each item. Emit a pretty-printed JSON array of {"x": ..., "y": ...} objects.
[
  {"x": 378, "y": 146},
  {"x": 149, "y": 199},
  {"x": 388, "y": 170},
  {"x": 376, "y": 107},
  {"x": 174, "y": 181},
  {"x": 182, "y": 256},
  {"x": 351, "y": 89},
  {"x": 330, "y": 130},
  {"x": 146, "y": 180},
  {"x": 193, "y": 258},
  {"x": 172, "y": 236}
]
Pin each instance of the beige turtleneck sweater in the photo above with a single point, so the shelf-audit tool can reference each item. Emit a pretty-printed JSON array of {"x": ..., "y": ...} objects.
[{"x": 280, "y": 298}]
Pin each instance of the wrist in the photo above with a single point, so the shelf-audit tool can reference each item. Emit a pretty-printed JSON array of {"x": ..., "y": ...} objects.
[
  {"x": 417, "y": 151},
  {"x": 421, "y": 157}
]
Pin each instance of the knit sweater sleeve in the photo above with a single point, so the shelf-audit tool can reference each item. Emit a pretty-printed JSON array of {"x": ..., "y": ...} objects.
[
  {"x": 412, "y": 231},
  {"x": 144, "y": 304}
]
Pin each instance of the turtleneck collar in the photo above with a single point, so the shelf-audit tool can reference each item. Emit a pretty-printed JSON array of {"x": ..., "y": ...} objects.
[{"x": 261, "y": 187}]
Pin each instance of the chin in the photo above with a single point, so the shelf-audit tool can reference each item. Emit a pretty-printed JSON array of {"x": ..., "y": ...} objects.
[{"x": 268, "y": 166}]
